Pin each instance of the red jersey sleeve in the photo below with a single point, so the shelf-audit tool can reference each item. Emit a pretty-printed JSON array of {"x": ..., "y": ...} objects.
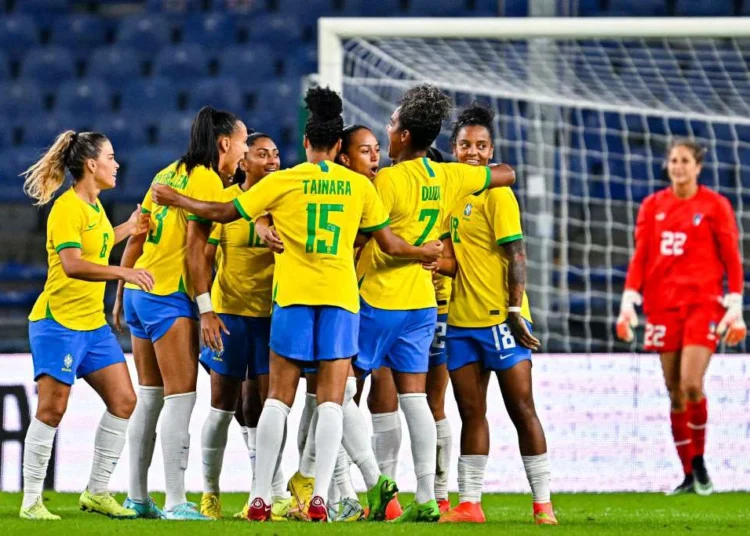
[
  {"x": 727, "y": 238},
  {"x": 643, "y": 232}
]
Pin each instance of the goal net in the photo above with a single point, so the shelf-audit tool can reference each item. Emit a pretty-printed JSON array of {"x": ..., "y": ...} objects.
[{"x": 584, "y": 109}]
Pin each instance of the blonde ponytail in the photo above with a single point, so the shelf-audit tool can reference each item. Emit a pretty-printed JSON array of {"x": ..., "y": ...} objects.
[{"x": 47, "y": 175}]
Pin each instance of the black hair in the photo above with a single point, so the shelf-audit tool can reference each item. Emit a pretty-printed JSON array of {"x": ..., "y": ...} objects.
[
  {"x": 474, "y": 115},
  {"x": 435, "y": 155},
  {"x": 346, "y": 139},
  {"x": 208, "y": 125},
  {"x": 70, "y": 151},
  {"x": 422, "y": 111},
  {"x": 325, "y": 124},
  {"x": 239, "y": 175}
]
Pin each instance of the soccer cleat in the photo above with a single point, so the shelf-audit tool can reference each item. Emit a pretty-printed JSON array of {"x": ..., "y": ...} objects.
[
  {"x": 242, "y": 514},
  {"x": 316, "y": 510},
  {"x": 465, "y": 512},
  {"x": 544, "y": 514},
  {"x": 685, "y": 487},
  {"x": 301, "y": 488},
  {"x": 379, "y": 496},
  {"x": 147, "y": 510},
  {"x": 37, "y": 512},
  {"x": 186, "y": 511},
  {"x": 106, "y": 505},
  {"x": 211, "y": 506},
  {"x": 393, "y": 510},
  {"x": 701, "y": 481},
  {"x": 259, "y": 510},
  {"x": 333, "y": 511},
  {"x": 280, "y": 508},
  {"x": 444, "y": 505},
  {"x": 414, "y": 512},
  {"x": 349, "y": 510}
]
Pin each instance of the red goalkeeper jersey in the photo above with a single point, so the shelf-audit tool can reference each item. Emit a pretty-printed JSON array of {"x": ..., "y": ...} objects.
[{"x": 683, "y": 248}]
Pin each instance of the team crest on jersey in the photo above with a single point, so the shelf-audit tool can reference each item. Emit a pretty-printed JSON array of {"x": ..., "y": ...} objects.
[
  {"x": 660, "y": 216},
  {"x": 697, "y": 219},
  {"x": 67, "y": 363},
  {"x": 467, "y": 209}
]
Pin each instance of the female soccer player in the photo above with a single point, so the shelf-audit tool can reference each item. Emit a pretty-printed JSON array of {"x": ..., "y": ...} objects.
[
  {"x": 685, "y": 242},
  {"x": 318, "y": 208},
  {"x": 162, "y": 321},
  {"x": 68, "y": 333},
  {"x": 398, "y": 327},
  {"x": 241, "y": 296},
  {"x": 489, "y": 326}
]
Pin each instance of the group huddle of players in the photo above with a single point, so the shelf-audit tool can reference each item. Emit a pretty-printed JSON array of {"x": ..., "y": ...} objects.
[{"x": 335, "y": 269}]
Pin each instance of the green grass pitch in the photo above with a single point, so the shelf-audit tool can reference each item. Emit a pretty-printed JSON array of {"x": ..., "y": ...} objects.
[{"x": 634, "y": 514}]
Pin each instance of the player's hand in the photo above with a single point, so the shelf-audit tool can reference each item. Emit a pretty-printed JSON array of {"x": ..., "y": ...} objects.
[
  {"x": 138, "y": 222},
  {"x": 628, "y": 318},
  {"x": 521, "y": 332},
  {"x": 164, "y": 195},
  {"x": 269, "y": 236},
  {"x": 431, "y": 266},
  {"x": 432, "y": 251},
  {"x": 211, "y": 329},
  {"x": 732, "y": 326},
  {"x": 140, "y": 277},
  {"x": 117, "y": 313}
]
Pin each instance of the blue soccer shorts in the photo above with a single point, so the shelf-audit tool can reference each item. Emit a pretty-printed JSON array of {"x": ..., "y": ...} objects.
[
  {"x": 245, "y": 353},
  {"x": 438, "y": 355},
  {"x": 150, "y": 316},
  {"x": 494, "y": 347}
]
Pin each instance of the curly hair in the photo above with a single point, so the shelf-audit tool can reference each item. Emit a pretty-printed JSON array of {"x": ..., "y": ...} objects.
[
  {"x": 474, "y": 115},
  {"x": 422, "y": 111},
  {"x": 325, "y": 124}
]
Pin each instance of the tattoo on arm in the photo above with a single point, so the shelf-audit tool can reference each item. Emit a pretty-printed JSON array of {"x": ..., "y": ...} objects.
[{"x": 516, "y": 250}]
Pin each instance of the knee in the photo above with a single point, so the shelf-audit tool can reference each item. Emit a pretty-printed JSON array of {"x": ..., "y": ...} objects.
[
  {"x": 676, "y": 396},
  {"x": 437, "y": 405},
  {"x": 692, "y": 390},
  {"x": 124, "y": 407},
  {"x": 523, "y": 413},
  {"x": 382, "y": 401},
  {"x": 51, "y": 411},
  {"x": 472, "y": 411},
  {"x": 251, "y": 412}
]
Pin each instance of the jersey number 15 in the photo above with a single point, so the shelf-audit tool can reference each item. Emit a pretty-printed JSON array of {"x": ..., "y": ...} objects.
[{"x": 317, "y": 220}]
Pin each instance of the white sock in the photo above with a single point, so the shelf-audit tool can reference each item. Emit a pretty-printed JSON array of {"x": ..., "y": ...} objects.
[
  {"x": 538, "y": 473},
  {"x": 342, "y": 474},
  {"x": 423, "y": 437},
  {"x": 278, "y": 485},
  {"x": 142, "y": 439},
  {"x": 442, "y": 470},
  {"x": 328, "y": 442},
  {"x": 270, "y": 437},
  {"x": 252, "y": 435},
  {"x": 311, "y": 405},
  {"x": 243, "y": 431},
  {"x": 108, "y": 444},
  {"x": 175, "y": 445},
  {"x": 386, "y": 441},
  {"x": 333, "y": 490},
  {"x": 307, "y": 461},
  {"x": 37, "y": 451},
  {"x": 356, "y": 444},
  {"x": 471, "y": 470},
  {"x": 213, "y": 443}
]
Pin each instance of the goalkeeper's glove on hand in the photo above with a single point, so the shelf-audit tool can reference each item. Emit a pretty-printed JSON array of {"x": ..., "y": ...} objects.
[
  {"x": 628, "y": 318},
  {"x": 732, "y": 326}
]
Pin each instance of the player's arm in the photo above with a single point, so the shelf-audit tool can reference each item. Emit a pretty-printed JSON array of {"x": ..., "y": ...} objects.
[
  {"x": 395, "y": 246},
  {"x": 516, "y": 251},
  {"x": 76, "y": 267},
  {"x": 137, "y": 224},
  {"x": 265, "y": 230},
  {"x": 732, "y": 325},
  {"x": 501, "y": 175},
  {"x": 207, "y": 210},
  {"x": 447, "y": 264},
  {"x": 133, "y": 252}
]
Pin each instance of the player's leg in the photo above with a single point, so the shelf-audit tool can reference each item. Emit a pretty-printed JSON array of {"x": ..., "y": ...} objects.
[
  {"x": 302, "y": 482},
  {"x": 437, "y": 384},
  {"x": 693, "y": 365},
  {"x": 670, "y": 363},
  {"x": 382, "y": 401}
]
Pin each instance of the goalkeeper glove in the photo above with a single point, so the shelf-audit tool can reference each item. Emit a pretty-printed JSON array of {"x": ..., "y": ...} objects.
[
  {"x": 732, "y": 326},
  {"x": 628, "y": 318}
]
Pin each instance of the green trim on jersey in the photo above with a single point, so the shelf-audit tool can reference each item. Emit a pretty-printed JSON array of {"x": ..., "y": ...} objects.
[
  {"x": 239, "y": 208},
  {"x": 507, "y": 239},
  {"x": 66, "y": 245},
  {"x": 426, "y": 163},
  {"x": 376, "y": 227}
]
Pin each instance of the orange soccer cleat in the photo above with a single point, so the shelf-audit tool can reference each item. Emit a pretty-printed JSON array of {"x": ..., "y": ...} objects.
[
  {"x": 393, "y": 510},
  {"x": 544, "y": 514},
  {"x": 259, "y": 510},
  {"x": 465, "y": 512},
  {"x": 444, "y": 505},
  {"x": 317, "y": 510}
]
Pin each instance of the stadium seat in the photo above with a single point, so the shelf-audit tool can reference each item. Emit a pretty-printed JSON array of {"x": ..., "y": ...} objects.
[
  {"x": 141, "y": 167},
  {"x": 520, "y": 8},
  {"x": 6, "y": 134},
  {"x": 636, "y": 8},
  {"x": 255, "y": 62},
  {"x": 12, "y": 163},
  {"x": 303, "y": 61},
  {"x": 44, "y": 11},
  {"x": 714, "y": 8},
  {"x": 277, "y": 97},
  {"x": 41, "y": 130},
  {"x": 20, "y": 99},
  {"x": 18, "y": 33},
  {"x": 214, "y": 31},
  {"x": 126, "y": 132},
  {"x": 383, "y": 8},
  {"x": 4, "y": 67},
  {"x": 218, "y": 92},
  {"x": 240, "y": 7},
  {"x": 115, "y": 64},
  {"x": 79, "y": 33},
  {"x": 174, "y": 130},
  {"x": 183, "y": 64},
  {"x": 147, "y": 33},
  {"x": 90, "y": 96},
  {"x": 149, "y": 97},
  {"x": 48, "y": 65},
  {"x": 437, "y": 8},
  {"x": 173, "y": 6},
  {"x": 280, "y": 31}
]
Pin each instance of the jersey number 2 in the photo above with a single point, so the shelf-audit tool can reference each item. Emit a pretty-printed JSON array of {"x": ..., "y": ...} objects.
[
  {"x": 672, "y": 243},
  {"x": 317, "y": 219}
]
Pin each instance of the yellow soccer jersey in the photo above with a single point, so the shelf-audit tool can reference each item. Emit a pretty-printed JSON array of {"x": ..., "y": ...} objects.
[
  {"x": 164, "y": 252},
  {"x": 244, "y": 276},
  {"x": 417, "y": 194},
  {"x": 75, "y": 304},
  {"x": 478, "y": 227},
  {"x": 317, "y": 210},
  {"x": 442, "y": 293}
]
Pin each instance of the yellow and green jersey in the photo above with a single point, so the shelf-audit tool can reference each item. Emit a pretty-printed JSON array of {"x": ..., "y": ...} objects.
[
  {"x": 73, "y": 303},
  {"x": 417, "y": 194},
  {"x": 478, "y": 227},
  {"x": 317, "y": 209}
]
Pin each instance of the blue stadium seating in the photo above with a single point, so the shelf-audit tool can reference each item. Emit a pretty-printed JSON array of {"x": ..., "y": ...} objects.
[
  {"x": 183, "y": 64},
  {"x": 437, "y": 8},
  {"x": 115, "y": 64},
  {"x": 141, "y": 167},
  {"x": 44, "y": 11},
  {"x": 714, "y": 8},
  {"x": 85, "y": 97},
  {"x": 173, "y": 6},
  {"x": 18, "y": 33},
  {"x": 147, "y": 33},
  {"x": 218, "y": 92},
  {"x": 4, "y": 67},
  {"x": 20, "y": 99},
  {"x": 251, "y": 63},
  {"x": 174, "y": 130},
  {"x": 80, "y": 33},
  {"x": 282, "y": 31},
  {"x": 149, "y": 97},
  {"x": 12, "y": 163},
  {"x": 48, "y": 65},
  {"x": 631, "y": 8},
  {"x": 214, "y": 31},
  {"x": 126, "y": 132},
  {"x": 40, "y": 130},
  {"x": 6, "y": 134},
  {"x": 240, "y": 7}
]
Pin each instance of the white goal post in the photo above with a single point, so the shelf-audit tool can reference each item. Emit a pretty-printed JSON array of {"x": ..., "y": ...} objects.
[{"x": 584, "y": 108}]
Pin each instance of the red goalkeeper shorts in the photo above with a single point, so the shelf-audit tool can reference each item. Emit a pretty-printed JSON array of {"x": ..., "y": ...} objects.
[{"x": 672, "y": 329}]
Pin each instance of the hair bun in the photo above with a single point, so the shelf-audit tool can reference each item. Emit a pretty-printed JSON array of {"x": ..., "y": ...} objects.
[
  {"x": 324, "y": 104},
  {"x": 476, "y": 114}
]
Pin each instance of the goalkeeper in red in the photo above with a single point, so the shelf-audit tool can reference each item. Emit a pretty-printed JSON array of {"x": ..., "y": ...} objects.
[{"x": 686, "y": 241}]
